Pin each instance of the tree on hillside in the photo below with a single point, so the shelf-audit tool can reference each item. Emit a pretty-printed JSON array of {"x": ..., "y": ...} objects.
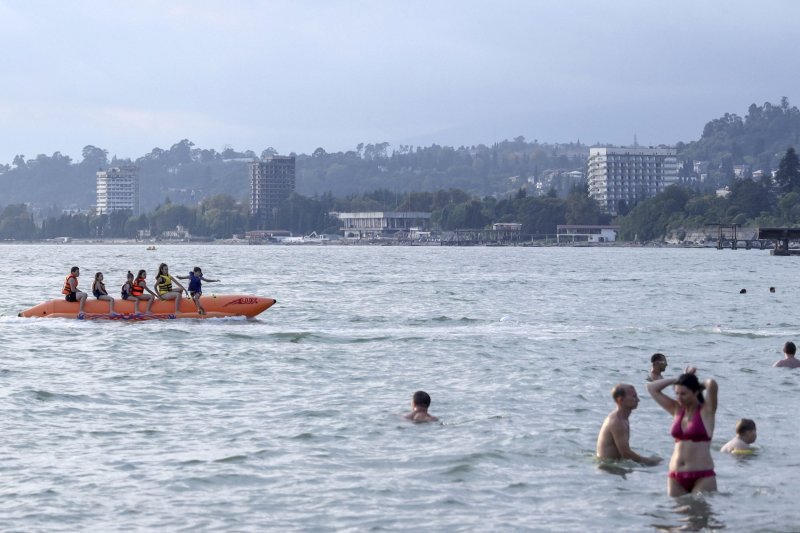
[
  {"x": 581, "y": 209},
  {"x": 788, "y": 175}
]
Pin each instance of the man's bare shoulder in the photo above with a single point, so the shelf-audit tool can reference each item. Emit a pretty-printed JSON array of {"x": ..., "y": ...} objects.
[
  {"x": 421, "y": 417},
  {"x": 787, "y": 363}
]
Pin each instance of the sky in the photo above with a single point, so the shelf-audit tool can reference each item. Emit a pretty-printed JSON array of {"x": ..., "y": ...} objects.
[{"x": 301, "y": 74}]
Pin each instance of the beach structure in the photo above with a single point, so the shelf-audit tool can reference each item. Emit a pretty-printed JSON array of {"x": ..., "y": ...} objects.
[
  {"x": 272, "y": 180},
  {"x": 626, "y": 176},
  {"x": 782, "y": 237},
  {"x": 586, "y": 233},
  {"x": 382, "y": 224},
  {"x": 118, "y": 190}
]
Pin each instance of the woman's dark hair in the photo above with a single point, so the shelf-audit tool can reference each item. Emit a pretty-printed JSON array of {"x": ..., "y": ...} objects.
[{"x": 691, "y": 382}]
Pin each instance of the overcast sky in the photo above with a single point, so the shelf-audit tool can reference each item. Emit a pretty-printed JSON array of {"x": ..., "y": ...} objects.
[{"x": 297, "y": 75}]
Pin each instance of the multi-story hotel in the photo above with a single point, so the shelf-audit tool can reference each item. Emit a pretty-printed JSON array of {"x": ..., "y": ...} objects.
[
  {"x": 118, "y": 190},
  {"x": 629, "y": 174},
  {"x": 271, "y": 182}
]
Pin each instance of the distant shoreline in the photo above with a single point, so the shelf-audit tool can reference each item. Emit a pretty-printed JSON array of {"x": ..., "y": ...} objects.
[{"x": 239, "y": 242}]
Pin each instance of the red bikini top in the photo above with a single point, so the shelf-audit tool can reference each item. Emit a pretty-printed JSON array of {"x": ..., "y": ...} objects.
[{"x": 695, "y": 429}]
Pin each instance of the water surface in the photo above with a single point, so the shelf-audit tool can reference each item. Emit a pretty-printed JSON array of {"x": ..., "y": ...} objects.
[{"x": 293, "y": 421}]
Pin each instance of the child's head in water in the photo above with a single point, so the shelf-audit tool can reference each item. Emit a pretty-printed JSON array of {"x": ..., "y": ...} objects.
[{"x": 746, "y": 430}]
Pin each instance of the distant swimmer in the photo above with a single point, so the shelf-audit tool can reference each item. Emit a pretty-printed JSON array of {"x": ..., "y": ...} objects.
[
  {"x": 70, "y": 290},
  {"x": 789, "y": 360},
  {"x": 613, "y": 439},
  {"x": 743, "y": 291},
  {"x": 745, "y": 436},
  {"x": 772, "y": 289},
  {"x": 658, "y": 364},
  {"x": 420, "y": 403},
  {"x": 691, "y": 468}
]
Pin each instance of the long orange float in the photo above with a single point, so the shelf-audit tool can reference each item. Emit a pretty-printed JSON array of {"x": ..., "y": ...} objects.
[{"x": 216, "y": 307}]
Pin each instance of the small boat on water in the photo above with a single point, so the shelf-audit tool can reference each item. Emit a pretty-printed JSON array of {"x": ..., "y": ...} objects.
[{"x": 226, "y": 305}]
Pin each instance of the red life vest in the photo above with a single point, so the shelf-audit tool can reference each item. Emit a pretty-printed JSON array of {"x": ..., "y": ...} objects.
[
  {"x": 136, "y": 289},
  {"x": 67, "y": 288}
]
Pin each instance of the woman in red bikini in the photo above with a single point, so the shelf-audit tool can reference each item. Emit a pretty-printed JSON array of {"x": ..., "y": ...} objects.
[{"x": 691, "y": 468}]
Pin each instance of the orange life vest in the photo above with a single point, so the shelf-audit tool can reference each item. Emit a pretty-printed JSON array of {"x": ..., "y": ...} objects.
[
  {"x": 67, "y": 288},
  {"x": 136, "y": 289}
]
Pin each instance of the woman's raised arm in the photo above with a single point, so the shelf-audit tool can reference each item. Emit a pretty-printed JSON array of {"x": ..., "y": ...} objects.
[{"x": 655, "y": 389}]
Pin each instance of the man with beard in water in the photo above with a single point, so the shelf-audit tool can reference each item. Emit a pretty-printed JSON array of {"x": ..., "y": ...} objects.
[{"x": 614, "y": 437}]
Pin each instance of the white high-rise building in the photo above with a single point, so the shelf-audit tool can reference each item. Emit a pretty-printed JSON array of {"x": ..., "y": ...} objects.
[
  {"x": 629, "y": 174},
  {"x": 118, "y": 190}
]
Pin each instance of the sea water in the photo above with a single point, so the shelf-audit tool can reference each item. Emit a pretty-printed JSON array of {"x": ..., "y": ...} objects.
[{"x": 293, "y": 421}]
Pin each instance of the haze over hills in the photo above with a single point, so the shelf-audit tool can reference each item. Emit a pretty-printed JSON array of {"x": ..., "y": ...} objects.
[{"x": 185, "y": 173}]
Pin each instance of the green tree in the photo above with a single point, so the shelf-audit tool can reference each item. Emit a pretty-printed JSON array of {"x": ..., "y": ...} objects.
[
  {"x": 581, "y": 209},
  {"x": 788, "y": 175}
]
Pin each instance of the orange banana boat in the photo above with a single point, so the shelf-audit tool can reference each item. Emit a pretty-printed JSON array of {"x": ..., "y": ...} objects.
[{"x": 215, "y": 306}]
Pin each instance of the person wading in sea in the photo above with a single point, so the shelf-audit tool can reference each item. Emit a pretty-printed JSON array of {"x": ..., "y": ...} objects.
[
  {"x": 789, "y": 360},
  {"x": 691, "y": 468},
  {"x": 613, "y": 439}
]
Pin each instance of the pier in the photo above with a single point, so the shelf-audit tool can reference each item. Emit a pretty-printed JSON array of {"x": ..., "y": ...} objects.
[
  {"x": 728, "y": 236},
  {"x": 783, "y": 238}
]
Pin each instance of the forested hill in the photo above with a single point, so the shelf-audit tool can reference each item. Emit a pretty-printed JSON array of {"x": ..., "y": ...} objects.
[
  {"x": 185, "y": 173},
  {"x": 758, "y": 140}
]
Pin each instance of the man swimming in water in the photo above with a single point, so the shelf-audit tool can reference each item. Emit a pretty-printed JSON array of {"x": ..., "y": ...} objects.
[
  {"x": 614, "y": 437},
  {"x": 789, "y": 360},
  {"x": 658, "y": 363},
  {"x": 419, "y": 408}
]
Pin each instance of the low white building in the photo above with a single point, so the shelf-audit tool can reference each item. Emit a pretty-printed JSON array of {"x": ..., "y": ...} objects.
[
  {"x": 382, "y": 224},
  {"x": 586, "y": 233}
]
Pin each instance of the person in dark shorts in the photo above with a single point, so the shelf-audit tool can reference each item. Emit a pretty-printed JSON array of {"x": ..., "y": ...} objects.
[
  {"x": 70, "y": 290},
  {"x": 99, "y": 291},
  {"x": 196, "y": 280}
]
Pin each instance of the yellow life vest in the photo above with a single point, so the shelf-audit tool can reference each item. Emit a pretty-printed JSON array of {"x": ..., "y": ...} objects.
[{"x": 164, "y": 283}]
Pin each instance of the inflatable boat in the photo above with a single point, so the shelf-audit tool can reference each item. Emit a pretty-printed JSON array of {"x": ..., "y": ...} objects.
[{"x": 215, "y": 306}]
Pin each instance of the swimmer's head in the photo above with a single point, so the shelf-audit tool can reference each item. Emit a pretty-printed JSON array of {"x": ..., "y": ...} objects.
[
  {"x": 625, "y": 393},
  {"x": 772, "y": 289},
  {"x": 743, "y": 291},
  {"x": 746, "y": 430},
  {"x": 789, "y": 348},
  {"x": 421, "y": 399},
  {"x": 687, "y": 387}
]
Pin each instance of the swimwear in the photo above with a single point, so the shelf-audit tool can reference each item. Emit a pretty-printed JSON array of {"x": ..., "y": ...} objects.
[
  {"x": 688, "y": 479},
  {"x": 695, "y": 430},
  {"x": 71, "y": 297},
  {"x": 97, "y": 294}
]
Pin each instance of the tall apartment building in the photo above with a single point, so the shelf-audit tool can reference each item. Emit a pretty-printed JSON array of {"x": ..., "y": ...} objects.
[
  {"x": 629, "y": 174},
  {"x": 118, "y": 190},
  {"x": 271, "y": 182}
]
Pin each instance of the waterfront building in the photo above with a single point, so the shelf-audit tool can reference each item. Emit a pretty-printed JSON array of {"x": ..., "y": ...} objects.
[
  {"x": 118, "y": 190},
  {"x": 586, "y": 233},
  {"x": 382, "y": 224},
  {"x": 629, "y": 175},
  {"x": 272, "y": 180}
]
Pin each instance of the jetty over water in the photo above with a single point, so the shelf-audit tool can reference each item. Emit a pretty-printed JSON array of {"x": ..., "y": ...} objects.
[
  {"x": 733, "y": 237},
  {"x": 782, "y": 237}
]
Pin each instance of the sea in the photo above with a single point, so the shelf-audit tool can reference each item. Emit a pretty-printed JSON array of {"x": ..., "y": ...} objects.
[{"x": 294, "y": 421}]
